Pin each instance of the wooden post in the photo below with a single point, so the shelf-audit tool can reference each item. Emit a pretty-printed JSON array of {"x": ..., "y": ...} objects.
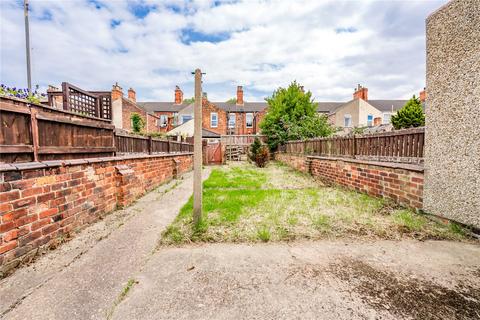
[
  {"x": 168, "y": 145},
  {"x": 150, "y": 145},
  {"x": 197, "y": 150},
  {"x": 66, "y": 99},
  {"x": 34, "y": 128}
]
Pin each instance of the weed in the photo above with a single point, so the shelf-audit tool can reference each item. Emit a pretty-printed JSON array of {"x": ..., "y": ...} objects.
[
  {"x": 322, "y": 223},
  {"x": 263, "y": 234}
]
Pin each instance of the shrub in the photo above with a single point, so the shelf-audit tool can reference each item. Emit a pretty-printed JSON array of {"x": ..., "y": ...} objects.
[
  {"x": 138, "y": 123},
  {"x": 259, "y": 153},
  {"x": 20, "y": 93},
  {"x": 411, "y": 115},
  {"x": 292, "y": 115},
  {"x": 263, "y": 155}
]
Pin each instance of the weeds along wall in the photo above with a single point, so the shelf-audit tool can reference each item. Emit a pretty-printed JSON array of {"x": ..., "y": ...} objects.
[
  {"x": 42, "y": 202},
  {"x": 402, "y": 183}
]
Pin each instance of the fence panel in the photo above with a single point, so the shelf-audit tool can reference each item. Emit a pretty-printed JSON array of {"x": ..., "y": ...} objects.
[{"x": 397, "y": 146}]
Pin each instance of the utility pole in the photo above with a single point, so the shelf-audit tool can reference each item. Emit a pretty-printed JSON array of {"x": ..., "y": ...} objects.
[
  {"x": 27, "y": 40},
  {"x": 197, "y": 150}
]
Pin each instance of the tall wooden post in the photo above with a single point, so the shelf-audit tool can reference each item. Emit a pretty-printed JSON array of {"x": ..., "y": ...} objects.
[{"x": 197, "y": 150}]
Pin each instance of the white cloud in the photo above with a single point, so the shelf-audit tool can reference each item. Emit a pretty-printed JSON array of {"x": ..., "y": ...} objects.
[{"x": 269, "y": 44}]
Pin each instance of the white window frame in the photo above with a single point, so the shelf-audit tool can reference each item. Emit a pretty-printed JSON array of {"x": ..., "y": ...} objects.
[
  {"x": 370, "y": 122},
  {"x": 246, "y": 120},
  {"x": 213, "y": 122},
  {"x": 389, "y": 115},
  {"x": 163, "y": 121},
  {"x": 349, "y": 117},
  {"x": 231, "y": 124}
]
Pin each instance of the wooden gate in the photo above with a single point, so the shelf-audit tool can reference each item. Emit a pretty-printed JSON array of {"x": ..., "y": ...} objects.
[{"x": 213, "y": 153}]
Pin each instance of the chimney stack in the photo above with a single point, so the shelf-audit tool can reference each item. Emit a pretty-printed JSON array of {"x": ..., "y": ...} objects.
[
  {"x": 117, "y": 92},
  {"x": 178, "y": 95},
  {"x": 132, "y": 95},
  {"x": 240, "y": 95},
  {"x": 361, "y": 93},
  {"x": 423, "y": 95}
]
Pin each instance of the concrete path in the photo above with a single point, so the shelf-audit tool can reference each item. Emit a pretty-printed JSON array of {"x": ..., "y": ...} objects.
[
  {"x": 82, "y": 278},
  {"x": 112, "y": 271}
]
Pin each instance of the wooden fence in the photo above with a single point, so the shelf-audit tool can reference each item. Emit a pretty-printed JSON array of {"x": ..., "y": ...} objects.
[
  {"x": 31, "y": 132},
  {"x": 240, "y": 140},
  {"x": 96, "y": 104},
  {"x": 126, "y": 144},
  {"x": 396, "y": 146}
]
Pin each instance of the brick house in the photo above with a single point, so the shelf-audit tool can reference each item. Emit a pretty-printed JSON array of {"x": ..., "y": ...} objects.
[
  {"x": 220, "y": 117},
  {"x": 124, "y": 107},
  {"x": 361, "y": 111}
]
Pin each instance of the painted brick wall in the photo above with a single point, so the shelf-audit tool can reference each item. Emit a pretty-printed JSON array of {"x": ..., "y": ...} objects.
[
  {"x": 41, "y": 202},
  {"x": 400, "y": 182}
]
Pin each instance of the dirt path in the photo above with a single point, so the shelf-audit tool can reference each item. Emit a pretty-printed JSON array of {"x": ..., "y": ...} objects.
[{"x": 114, "y": 270}]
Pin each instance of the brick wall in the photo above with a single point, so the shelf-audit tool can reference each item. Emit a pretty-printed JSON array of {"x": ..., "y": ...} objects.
[
  {"x": 41, "y": 202},
  {"x": 128, "y": 107},
  {"x": 402, "y": 183},
  {"x": 208, "y": 108}
]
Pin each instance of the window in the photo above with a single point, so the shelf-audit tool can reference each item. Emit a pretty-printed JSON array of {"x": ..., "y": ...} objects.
[
  {"x": 387, "y": 117},
  {"x": 175, "y": 118},
  {"x": 370, "y": 120},
  {"x": 231, "y": 120},
  {"x": 163, "y": 121},
  {"x": 347, "y": 121},
  {"x": 213, "y": 120},
  {"x": 186, "y": 118},
  {"x": 249, "y": 120}
]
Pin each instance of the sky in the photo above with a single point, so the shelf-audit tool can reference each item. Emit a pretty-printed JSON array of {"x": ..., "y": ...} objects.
[{"x": 327, "y": 46}]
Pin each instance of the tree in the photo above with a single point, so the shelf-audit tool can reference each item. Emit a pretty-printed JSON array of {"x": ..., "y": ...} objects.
[
  {"x": 292, "y": 115},
  {"x": 410, "y": 115},
  {"x": 231, "y": 101},
  {"x": 259, "y": 153},
  {"x": 137, "y": 122},
  {"x": 189, "y": 100}
]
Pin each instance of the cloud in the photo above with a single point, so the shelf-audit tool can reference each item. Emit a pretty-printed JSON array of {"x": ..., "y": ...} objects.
[{"x": 327, "y": 46}]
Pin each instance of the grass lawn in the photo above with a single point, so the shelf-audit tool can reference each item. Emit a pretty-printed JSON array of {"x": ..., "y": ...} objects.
[{"x": 243, "y": 203}]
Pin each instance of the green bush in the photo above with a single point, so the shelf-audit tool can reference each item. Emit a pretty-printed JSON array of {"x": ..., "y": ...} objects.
[
  {"x": 138, "y": 123},
  {"x": 411, "y": 115},
  {"x": 292, "y": 115}
]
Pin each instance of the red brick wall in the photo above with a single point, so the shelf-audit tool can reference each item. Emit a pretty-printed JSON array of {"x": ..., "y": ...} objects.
[
  {"x": 399, "y": 182},
  {"x": 208, "y": 108},
  {"x": 128, "y": 107},
  {"x": 41, "y": 202},
  {"x": 170, "y": 122}
]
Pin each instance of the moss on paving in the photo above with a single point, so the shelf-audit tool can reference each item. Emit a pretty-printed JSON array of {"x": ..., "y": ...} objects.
[{"x": 243, "y": 203}]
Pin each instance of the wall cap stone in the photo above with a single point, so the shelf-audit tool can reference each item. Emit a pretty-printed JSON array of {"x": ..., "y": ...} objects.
[
  {"x": 394, "y": 165},
  {"x": 5, "y": 167}
]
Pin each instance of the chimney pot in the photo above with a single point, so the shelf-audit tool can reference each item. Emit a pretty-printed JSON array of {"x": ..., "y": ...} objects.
[
  {"x": 423, "y": 95},
  {"x": 361, "y": 93},
  {"x": 132, "y": 95},
  {"x": 117, "y": 92},
  {"x": 178, "y": 95},
  {"x": 240, "y": 95}
]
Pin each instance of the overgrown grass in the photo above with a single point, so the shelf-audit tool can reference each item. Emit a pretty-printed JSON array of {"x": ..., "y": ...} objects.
[{"x": 242, "y": 203}]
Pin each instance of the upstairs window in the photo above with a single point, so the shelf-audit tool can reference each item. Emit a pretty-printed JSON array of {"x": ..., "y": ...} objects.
[
  {"x": 370, "y": 120},
  {"x": 175, "y": 118},
  {"x": 347, "y": 121},
  {"x": 249, "y": 120},
  {"x": 231, "y": 120},
  {"x": 213, "y": 120},
  {"x": 163, "y": 121}
]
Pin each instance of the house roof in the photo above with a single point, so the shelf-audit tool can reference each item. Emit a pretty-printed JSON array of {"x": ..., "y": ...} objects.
[
  {"x": 162, "y": 106},
  {"x": 327, "y": 107},
  {"x": 209, "y": 134},
  {"x": 387, "y": 105}
]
